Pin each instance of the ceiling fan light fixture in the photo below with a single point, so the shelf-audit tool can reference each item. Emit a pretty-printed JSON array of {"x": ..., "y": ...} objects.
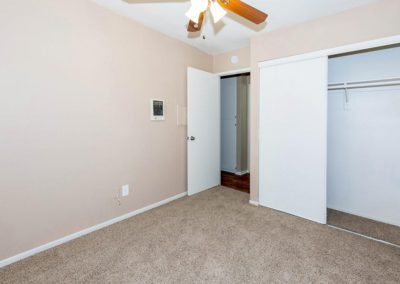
[
  {"x": 217, "y": 12},
  {"x": 193, "y": 14},
  {"x": 198, "y": 6},
  {"x": 218, "y": 9}
]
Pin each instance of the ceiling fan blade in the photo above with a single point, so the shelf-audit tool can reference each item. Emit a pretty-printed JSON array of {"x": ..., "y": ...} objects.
[
  {"x": 193, "y": 27},
  {"x": 244, "y": 10}
]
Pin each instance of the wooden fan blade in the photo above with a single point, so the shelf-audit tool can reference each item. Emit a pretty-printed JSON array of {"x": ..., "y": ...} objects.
[
  {"x": 244, "y": 10},
  {"x": 193, "y": 27}
]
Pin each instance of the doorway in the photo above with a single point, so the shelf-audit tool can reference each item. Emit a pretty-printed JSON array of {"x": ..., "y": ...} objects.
[
  {"x": 204, "y": 132},
  {"x": 235, "y": 154}
]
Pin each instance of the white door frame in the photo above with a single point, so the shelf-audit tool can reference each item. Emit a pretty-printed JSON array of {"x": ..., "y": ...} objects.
[
  {"x": 234, "y": 72},
  {"x": 381, "y": 42},
  {"x": 238, "y": 72}
]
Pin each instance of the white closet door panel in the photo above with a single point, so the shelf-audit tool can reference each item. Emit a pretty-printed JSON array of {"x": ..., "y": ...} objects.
[{"x": 293, "y": 137}]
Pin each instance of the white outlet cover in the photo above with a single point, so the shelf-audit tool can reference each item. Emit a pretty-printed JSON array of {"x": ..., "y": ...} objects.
[{"x": 125, "y": 190}]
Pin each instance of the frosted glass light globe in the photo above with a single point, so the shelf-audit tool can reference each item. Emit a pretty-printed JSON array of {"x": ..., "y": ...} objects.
[
  {"x": 197, "y": 7},
  {"x": 217, "y": 12}
]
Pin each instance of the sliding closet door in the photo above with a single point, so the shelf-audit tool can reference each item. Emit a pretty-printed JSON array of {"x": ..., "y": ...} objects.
[{"x": 293, "y": 137}]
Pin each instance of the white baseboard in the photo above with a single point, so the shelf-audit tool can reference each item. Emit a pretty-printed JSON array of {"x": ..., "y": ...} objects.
[
  {"x": 242, "y": 173},
  {"x": 76, "y": 235},
  {"x": 254, "y": 203}
]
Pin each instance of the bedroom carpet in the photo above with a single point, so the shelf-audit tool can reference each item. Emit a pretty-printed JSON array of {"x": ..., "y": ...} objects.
[
  {"x": 364, "y": 226},
  {"x": 212, "y": 237}
]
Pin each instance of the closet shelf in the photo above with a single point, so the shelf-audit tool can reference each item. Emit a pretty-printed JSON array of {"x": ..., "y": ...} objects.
[{"x": 364, "y": 84}]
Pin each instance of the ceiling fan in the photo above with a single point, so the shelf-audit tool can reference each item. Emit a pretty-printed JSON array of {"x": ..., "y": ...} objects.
[{"x": 198, "y": 9}]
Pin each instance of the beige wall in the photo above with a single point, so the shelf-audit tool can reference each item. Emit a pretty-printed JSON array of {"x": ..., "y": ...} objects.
[
  {"x": 377, "y": 20},
  {"x": 75, "y": 85},
  {"x": 222, "y": 62}
]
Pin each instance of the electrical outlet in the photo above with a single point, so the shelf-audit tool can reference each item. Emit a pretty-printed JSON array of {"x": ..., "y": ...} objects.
[{"x": 125, "y": 190}]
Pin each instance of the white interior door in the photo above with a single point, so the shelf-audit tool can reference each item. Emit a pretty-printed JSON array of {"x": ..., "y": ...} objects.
[
  {"x": 293, "y": 137},
  {"x": 203, "y": 92}
]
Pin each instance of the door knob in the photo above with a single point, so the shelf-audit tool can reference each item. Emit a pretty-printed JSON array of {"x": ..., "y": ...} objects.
[{"x": 191, "y": 138}]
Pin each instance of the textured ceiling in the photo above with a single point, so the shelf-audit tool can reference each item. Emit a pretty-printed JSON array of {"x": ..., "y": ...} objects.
[{"x": 168, "y": 17}]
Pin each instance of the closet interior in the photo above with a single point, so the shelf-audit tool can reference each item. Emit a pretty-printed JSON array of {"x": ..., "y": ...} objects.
[{"x": 363, "y": 143}]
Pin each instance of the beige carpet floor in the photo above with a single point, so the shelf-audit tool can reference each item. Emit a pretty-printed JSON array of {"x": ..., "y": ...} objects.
[
  {"x": 364, "y": 226},
  {"x": 213, "y": 237}
]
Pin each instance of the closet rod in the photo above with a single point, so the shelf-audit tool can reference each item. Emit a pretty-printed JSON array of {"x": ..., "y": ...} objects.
[{"x": 365, "y": 84}]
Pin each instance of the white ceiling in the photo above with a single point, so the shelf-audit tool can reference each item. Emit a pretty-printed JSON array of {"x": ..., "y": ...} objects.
[{"x": 168, "y": 17}]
